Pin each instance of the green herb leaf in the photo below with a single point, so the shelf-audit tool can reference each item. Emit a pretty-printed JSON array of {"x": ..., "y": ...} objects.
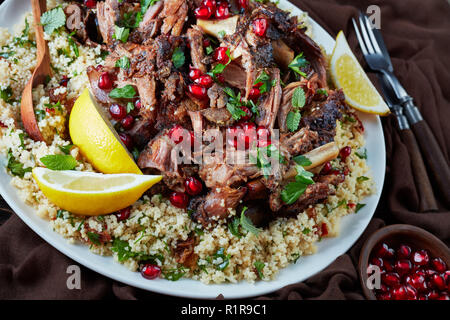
[
  {"x": 174, "y": 274},
  {"x": 59, "y": 162},
  {"x": 178, "y": 58},
  {"x": 292, "y": 192},
  {"x": 293, "y": 120},
  {"x": 247, "y": 224},
  {"x": 302, "y": 161},
  {"x": 322, "y": 91},
  {"x": 267, "y": 84},
  {"x": 298, "y": 98},
  {"x": 304, "y": 176},
  {"x": 306, "y": 231},
  {"x": 221, "y": 34},
  {"x": 221, "y": 260},
  {"x": 94, "y": 238},
  {"x": 7, "y": 94},
  {"x": 259, "y": 266},
  {"x": 361, "y": 153},
  {"x": 73, "y": 44},
  {"x": 209, "y": 50},
  {"x": 359, "y": 206},
  {"x": 121, "y": 33},
  {"x": 7, "y": 54},
  {"x": 53, "y": 19},
  {"x": 123, "y": 250},
  {"x": 66, "y": 149},
  {"x": 362, "y": 179},
  {"x": 15, "y": 167},
  {"x": 298, "y": 63},
  {"x": 130, "y": 107},
  {"x": 126, "y": 92},
  {"x": 233, "y": 227},
  {"x": 123, "y": 63}
]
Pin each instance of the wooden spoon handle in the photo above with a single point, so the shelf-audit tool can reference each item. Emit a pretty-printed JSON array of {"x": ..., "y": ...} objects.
[
  {"x": 427, "y": 202},
  {"x": 43, "y": 54}
]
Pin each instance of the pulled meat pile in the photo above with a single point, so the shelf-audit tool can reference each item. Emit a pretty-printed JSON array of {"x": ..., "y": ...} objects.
[{"x": 181, "y": 68}]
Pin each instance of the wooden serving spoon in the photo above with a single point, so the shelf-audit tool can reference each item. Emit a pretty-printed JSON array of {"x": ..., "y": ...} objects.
[{"x": 40, "y": 74}]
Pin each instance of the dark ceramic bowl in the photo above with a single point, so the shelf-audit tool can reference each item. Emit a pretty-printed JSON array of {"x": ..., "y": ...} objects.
[{"x": 395, "y": 235}]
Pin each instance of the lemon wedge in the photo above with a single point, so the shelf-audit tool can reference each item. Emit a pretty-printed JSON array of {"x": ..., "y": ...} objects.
[
  {"x": 347, "y": 74},
  {"x": 91, "y": 194},
  {"x": 98, "y": 141}
]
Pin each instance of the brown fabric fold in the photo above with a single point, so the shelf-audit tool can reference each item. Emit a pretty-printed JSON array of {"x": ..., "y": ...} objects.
[{"x": 417, "y": 34}]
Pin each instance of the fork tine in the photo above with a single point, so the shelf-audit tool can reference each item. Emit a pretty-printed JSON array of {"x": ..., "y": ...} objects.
[
  {"x": 360, "y": 39},
  {"x": 371, "y": 34},
  {"x": 366, "y": 37}
]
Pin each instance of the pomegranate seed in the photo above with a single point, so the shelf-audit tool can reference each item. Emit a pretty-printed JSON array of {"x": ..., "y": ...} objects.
[
  {"x": 220, "y": 78},
  {"x": 327, "y": 167},
  {"x": 421, "y": 257},
  {"x": 444, "y": 296},
  {"x": 403, "y": 266},
  {"x": 206, "y": 43},
  {"x": 205, "y": 81},
  {"x": 194, "y": 74},
  {"x": 91, "y": 4},
  {"x": 416, "y": 281},
  {"x": 399, "y": 293},
  {"x": 221, "y": 56},
  {"x": 2, "y": 125},
  {"x": 422, "y": 297},
  {"x": 377, "y": 262},
  {"x": 388, "y": 265},
  {"x": 404, "y": 251},
  {"x": 260, "y": 27},
  {"x": 176, "y": 134},
  {"x": 210, "y": 4},
  {"x": 105, "y": 82},
  {"x": 203, "y": 12},
  {"x": 438, "y": 281},
  {"x": 150, "y": 271},
  {"x": 179, "y": 200},
  {"x": 447, "y": 276},
  {"x": 193, "y": 186},
  {"x": 411, "y": 293},
  {"x": 222, "y": 11},
  {"x": 248, "y": 136},
  {"x": 390, "y": 279},
  {"x": 439, "y": 264},
  {"x": 345, "y": 153},
  {"x": 127, "y": 122},
  {"x": 254, "y": 94},
  {"x": 433, "y": 295},
  {"x": 351, "y": 205},
  {"x": 138, "y": 104},
  {"x": 324, "y": 229},
  {"x": 127, "y": 141},
  {"x": 99, "y": 67},
  {"x": 117, "y": 112},
  {"x": 383, "y": 251},
  {"x": 64, "y": 81},
  {"x": 123, "y": 214},
  {"x": 243, "y": 4},
  {"x": 192, "y": 138},
  {"x": 263, "y": 135},
  {"x": 421, "y": 272},
  {"x": 384, "y": 296},
  {"x": 384, "y": 288},
  {"x": 49, "y": 110},
  {"x": 248, "y": 113},
  {"x": 198, "y": 91}
]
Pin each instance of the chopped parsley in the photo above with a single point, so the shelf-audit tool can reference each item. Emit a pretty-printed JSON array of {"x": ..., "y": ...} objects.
[
  {"x": 15, "y": 167},
  {"x": 121, "y": 33},
  {"x": 259, "y": 266},
  {"x": 174, "y": 274},
  {"x": 59, "y": 162},
  {"x": 339, "y": 204},
  {"x": 293, "y": 190},
  {"x": 362, "y": 179},
  {"x": 94, "y": 238},
  {"x": 322, "y": 91},
  {"x": 178, "y": 58},
  {"x": 66, "y": 149},
  {"x": 359, "y": 206},
  {"x": 266, "y": 82},
  {"x": 53, "y": 19},
  {"x": 7, "y": 54},
  {"x": 123, "y": 250},
  {"x": 298, "y": 63},
  {"x": 264, "y": 158},
  {"x": 220, "y": 67},
  {"x": 7, "y": 95},
  {"x": 247, "y": 224},
  {"x": 234, "y": 103},
  {"x": 233, "y": 227},
  {"x": 361, "y": 153},
  {"x": 73, "y": 44}
]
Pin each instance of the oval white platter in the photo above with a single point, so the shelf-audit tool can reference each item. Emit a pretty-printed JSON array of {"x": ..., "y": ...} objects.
[{"x": 352, "y": 226}]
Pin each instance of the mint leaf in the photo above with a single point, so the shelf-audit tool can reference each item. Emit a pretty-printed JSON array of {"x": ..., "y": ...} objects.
[
  {"x": 121, "y": 33},
  {"x": 259, "y": 266},
  {"x": 59, "y": 162},
  {"x": 209, "y": 50},
  {"x": 53, "y": 19},
  {"x": 247, "y": 224},
  {"x": 302, "y": 161},
  {"x": 178, "y": 58},
  {"x": 298, "y": 63},
  {"x": 233, "y": 227},
  {"x": 123, "y": 63},
  {"x": 126, "y": 92},
  {"x": 298, "y": 98},
  {"x": 293, "y": 120},
  {"x": 304, "y": 176},
  {"x": 292, "y": 192},
  {"x": 130, "y": 107}
]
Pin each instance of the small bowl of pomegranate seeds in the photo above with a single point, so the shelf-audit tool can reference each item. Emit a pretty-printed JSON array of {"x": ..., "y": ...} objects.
[{"x": 411, "y": 263}]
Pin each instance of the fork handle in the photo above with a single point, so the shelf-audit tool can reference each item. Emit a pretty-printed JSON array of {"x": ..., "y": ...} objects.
[{"x": 431, "y": 151}]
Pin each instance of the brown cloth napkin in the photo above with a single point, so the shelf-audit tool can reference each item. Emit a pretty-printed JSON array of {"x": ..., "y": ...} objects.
[{"x": 417, "y": 34}]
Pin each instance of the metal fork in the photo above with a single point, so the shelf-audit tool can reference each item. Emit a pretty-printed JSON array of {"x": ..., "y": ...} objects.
[{"x": 378, "y": 59}]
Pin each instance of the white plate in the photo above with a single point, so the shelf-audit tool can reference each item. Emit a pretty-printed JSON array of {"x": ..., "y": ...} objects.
[{"x": 352, "y": 226}]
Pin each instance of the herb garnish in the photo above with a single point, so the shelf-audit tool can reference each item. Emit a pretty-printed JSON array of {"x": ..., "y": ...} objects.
[
  {"x": 73, "y": 44},
  {"x": 178, "y": 58},
  {"x": 123, "y": 63},
  {"x": 264, "y": 157},
  {"x": 174, "y": 274},
  {"x": 6, "y": 95},
  {"x": 293, "y": 190},
  {"x": 59, "y": 162},
  {"x": 126, "y": 92},
  {"x": 123, "y": 250},
  {"x": 361, "y": 153},
  {"x": 15, "y": 167},
  {"x": 234, "y": 103},
  {"x": 259, "y": 266},
  {"x": 298, "y": 63},
  {"x": 94, "y": 238},
  {"x": 66, "y": 149},
  {"x": 359, "y": 206},
  {"x": 362, "y": 179},
  {"x": 245, "y": 223},
  {"x": 53, "y": 19},
  {"x": 266, "y": 83},
  {"x": 294, "y": 116},
  {"x": 121, "y": 33}
]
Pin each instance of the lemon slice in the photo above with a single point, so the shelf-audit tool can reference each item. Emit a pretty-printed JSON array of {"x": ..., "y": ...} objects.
[
  {"x": 98, "y": 141},
  {"x": 91, "y": 194},
  {"x": 347, "y": 74}
]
